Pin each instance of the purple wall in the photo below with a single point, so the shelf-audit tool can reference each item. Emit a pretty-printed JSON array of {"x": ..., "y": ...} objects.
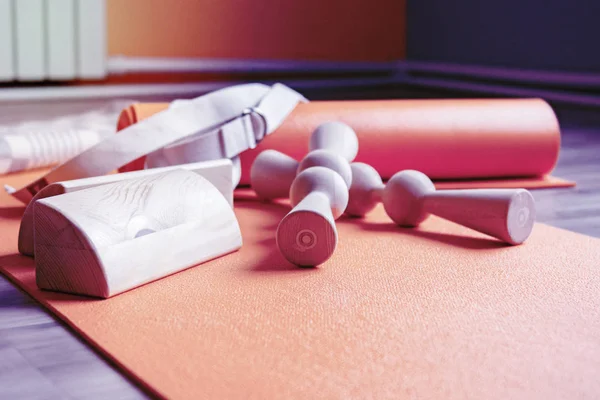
[{"x": 557, "y": 35}]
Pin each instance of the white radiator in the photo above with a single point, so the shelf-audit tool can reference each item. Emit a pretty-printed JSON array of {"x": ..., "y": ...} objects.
[{"x": 52, "y": 40}]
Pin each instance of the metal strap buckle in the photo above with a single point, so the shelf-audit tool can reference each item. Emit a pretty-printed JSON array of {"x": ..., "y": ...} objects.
[{"x": 258, "y": 112}]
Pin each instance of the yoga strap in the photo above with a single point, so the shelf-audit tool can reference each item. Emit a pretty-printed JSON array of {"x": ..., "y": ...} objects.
[{"x": 220, "y": 124}]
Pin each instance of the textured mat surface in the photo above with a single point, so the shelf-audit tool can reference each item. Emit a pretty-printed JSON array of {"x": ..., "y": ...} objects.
[{"x": 434, "y": 312}]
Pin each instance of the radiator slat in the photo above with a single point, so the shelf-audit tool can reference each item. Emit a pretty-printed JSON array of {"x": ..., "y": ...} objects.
[
  {"x": 7, "y": 71},
  {"x": 60, "y": 16},
  {"x": 91, "y": 41},
  {"x": 30, "y": 43}
]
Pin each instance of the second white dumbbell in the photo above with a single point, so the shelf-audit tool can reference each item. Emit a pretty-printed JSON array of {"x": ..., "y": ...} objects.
[
  {"x": 332, "y": 145},
  {"x": 410, "y": 196}
]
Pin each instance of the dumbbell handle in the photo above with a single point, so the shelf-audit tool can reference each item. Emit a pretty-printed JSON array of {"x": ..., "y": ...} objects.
[
  {"x": 506, "y": 214},
  {"x": 307, "y": 235},
  {"x": 336, "y": 137},
  {"x": 377, "y": 193},
  {"x": 366, "y": 190},
  {"x": 272, "y": 174}
]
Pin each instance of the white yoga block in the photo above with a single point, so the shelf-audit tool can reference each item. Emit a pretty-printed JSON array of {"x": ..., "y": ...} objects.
[
  {"x": 218, "y": 172},
  {"x": 108, "y": 239}
]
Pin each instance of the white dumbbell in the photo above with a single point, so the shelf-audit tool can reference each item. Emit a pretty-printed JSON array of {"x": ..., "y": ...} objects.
[
  {"x": 307, "y": 235},
  {"x": 332, "y": 145},
  {"x": 409, "y": 197},
  {"x": 337, "y": 137}
]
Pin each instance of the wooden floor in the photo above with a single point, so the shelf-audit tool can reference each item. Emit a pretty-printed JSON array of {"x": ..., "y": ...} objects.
[{"x": 40, "y": 359}]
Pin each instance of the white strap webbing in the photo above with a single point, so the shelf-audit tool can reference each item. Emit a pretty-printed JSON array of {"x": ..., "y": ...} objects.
[
  {"x": 221, "y": 124},
  {"x": 233, "y": 137}
]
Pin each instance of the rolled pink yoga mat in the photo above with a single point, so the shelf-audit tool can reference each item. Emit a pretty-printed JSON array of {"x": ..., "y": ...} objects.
[{"x": 458, "y": 143}]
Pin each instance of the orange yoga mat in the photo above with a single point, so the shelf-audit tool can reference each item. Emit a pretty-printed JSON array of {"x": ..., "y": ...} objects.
[
  {"x": 482, "y": 143},
  {"x": 439, "y": 312}
]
